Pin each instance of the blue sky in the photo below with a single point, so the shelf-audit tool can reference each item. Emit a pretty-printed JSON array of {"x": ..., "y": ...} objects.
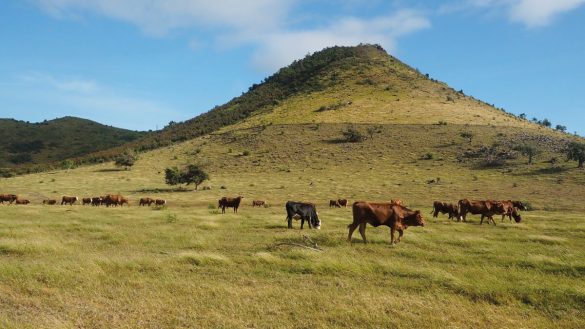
[{"x": 140, "y": 64}]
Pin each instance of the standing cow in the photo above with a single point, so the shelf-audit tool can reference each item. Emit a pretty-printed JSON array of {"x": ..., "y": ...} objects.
[
  {"x": 226, "y": 202},
  {"x": 258, "y": 203},
  {"x": 445, "y": 208},
  {"x": 334, "y": 203},
  {"x": 69, "y": 200},
  {"x": 397, "y": 217},
  {"x": 146, "y": 201},
  {"x": 306, "y": 212},
  {"x": 10, "y": 198}
]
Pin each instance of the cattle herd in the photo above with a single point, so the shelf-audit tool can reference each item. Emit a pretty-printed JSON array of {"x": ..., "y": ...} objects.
[{"x": 392, "y": 214}]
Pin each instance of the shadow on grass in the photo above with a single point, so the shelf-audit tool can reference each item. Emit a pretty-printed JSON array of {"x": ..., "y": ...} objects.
[
  {"x": 546, "y": 171},
  {"x": 110, "y": 170},
  {"x": 161, "y": 190}
]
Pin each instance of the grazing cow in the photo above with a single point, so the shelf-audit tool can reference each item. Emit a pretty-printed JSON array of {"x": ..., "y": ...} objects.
[
  {"x": 305, "y": 211},
  {"x": 145, "y": 202},
  {"x": 486, "y": 208},
  {"x": 445, "y": 208},
  {"x": 115, "y": 200},
  {"x": 50, "y": 201},
  {"x": 96, "y": 201},
  {"x": 334, "y": 203},
  {"x": 10, "y": 198},
  {"x": 342, "y": 202},
  {"x": 69, "y": 200},
  {"x": 397, "y": 217},
  {"x": 86, "y": 201},
  {"x": 226, "y": 202},
  {"x": 160, "y": 202},
  {"x": 508, "y": 208},
  {"x": 22, "y": 201},
  {"x": 258, "y": 203},
  {"x": 519, "y": 205}
]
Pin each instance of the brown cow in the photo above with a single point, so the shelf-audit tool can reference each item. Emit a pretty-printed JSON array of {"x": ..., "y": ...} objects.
[
  {"x": 22, "y": 201},
  {"x": 145, "y": 202},
  {"x": 86, "y": 201},
  {"x": 445, "y": 208},
  {"x": 509, "y": 209},
  {"x": 226, "y": 202},
  {"x": 160, "y": 202},
  {"x": 397, "y": 217},
  {"x": 69, "y": 200},
  {"x": 342, "y": 203},
  {"x": 259, "y": 203},
  {"x": 115, "y": 200},
  {"x": 50, "y": 201},
  {"x": 486, "y": 208},
  {"x": 334, "y": 203},
  {"x": 8, "y": 197},
  {"x": 396, "y": 202}
]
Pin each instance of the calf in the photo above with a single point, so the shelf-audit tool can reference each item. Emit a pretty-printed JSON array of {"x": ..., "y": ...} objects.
[
  {"x": 160, "y": 202},
  {"x": 258, "y": 203},
  {"x": 334, "y": 203}
]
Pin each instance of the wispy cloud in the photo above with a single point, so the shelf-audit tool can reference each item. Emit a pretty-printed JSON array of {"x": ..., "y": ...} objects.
[
  {"x": 531, "y": 13},
  {"x": 264, "y": 24},
  {"x": 58, "y": 96}
]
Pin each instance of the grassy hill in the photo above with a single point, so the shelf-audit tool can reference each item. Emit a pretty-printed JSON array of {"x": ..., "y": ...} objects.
[
  {"x": 188, "y": 265},
  {"x": 52, "y": 141}
]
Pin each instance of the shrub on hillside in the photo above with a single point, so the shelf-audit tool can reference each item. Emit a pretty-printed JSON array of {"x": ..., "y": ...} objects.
[{"x": 352, "y": 135}]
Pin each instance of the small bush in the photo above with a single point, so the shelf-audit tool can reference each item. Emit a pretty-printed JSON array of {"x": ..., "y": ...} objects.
[
  {"x": 427, "y": 156},
  {"x": 246, "y": 153}
]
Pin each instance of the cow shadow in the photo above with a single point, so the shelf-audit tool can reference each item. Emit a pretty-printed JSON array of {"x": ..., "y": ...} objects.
[
  {"x": 547, "y": 171},
  {"x": 109, "y": 170}
]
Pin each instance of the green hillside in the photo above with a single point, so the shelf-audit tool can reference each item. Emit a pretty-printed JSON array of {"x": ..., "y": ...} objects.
[
  {"x": 415, "y": 139},
  {"x": 27, "y": 144}
]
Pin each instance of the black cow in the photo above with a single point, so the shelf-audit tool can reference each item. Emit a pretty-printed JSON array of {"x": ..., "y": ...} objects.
[{"x": 306, "y": 211}]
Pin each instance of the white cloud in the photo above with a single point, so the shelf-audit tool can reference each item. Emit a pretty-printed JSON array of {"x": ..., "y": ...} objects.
[
  {"x": 531, "y": 13},
  {"x": 282, "y": 47},
  {"x": 264, "y": 24},
  {"x": 534, "y": 13}
]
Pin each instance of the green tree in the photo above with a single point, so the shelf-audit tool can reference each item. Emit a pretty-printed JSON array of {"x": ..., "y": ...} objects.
[
  {"x": 561, "y": 128},
  {"x": 576, "y": 152},
  {"x": 528, "y": 150},
  {"x": 191, "y": 174},
  {"x": 126, "y": 160}
]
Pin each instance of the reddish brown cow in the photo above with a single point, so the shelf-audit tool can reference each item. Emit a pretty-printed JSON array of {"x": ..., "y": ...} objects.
[
  {"x": 486, "y": 208},
  {"x": 145, "y": 202},
  {"x": 507, "y": 208},
  {"x": 50, "y": 201},
  {"x": 10, "y": 198},
  {"x": 397, "y": 217},
  {"x": 342, "y": 203},
  {"x": 334, "y": 203},
  {"x": 22, "y": 201},
  {"x": 226, "y": 202},
  {"x": 258, "y": 203},
  {"x": 445, "y": 208},
  {"x": 396, "y": 202},
  {"x": 115, "y": 200},
  {"x": 160, "y": 202},
  {"x": 86, "y": 201},
  {"x": 69, "y": 200}
]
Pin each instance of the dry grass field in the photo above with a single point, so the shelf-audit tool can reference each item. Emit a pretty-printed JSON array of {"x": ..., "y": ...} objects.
[{"x": 187, "y": 265}]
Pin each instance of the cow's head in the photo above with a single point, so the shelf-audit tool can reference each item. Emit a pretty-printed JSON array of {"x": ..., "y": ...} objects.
[
  {"x": 516, "y": 215},
  {"x": 315, "y": 220},
  {"x": 519, "y": 205},
  {"x": 415, "y": 219}
]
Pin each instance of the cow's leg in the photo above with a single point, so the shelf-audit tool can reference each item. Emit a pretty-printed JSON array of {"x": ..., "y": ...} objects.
[
  {"x": 400, "y": 233},
  {"x": 352, "y": 228},
  {"x": 392, "y": 230},
  {"x": 302, "y": 221},
  {"x": 363, "y": 232},
  {"x": 481, "y": 221},
  {"x": 289, "y": 220},
  {"x": 493, "y": 221}
]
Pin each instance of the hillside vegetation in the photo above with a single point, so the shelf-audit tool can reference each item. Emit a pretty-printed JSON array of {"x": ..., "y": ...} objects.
[
  {"x": 49, "y": 142},
  {"x": 187, "y": 265}
]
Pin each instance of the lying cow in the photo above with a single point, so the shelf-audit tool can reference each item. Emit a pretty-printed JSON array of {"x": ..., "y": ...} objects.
[
  {"x": 22, "y": 201},
  {"x": 145, "y": 202},
  {"x": 50, "y": 201},
  {"x": 10, "y": 198},
  {"x": 258, "y": 203},
  {"x": 305, "y": 211},
  {"x": 334, "y": 203},
  {"x": 226, "y": 202},
  {"x": 69, "y": 200},
  {"x": 397, "y": 217},
  {"x": 445, "y": 208}
]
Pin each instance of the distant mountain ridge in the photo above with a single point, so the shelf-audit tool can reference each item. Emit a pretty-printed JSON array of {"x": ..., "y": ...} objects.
[{"x": 50, "y": 141}]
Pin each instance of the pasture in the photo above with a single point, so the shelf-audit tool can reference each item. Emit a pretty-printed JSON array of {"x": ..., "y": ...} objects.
[{"x": 187, "y": 265}]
